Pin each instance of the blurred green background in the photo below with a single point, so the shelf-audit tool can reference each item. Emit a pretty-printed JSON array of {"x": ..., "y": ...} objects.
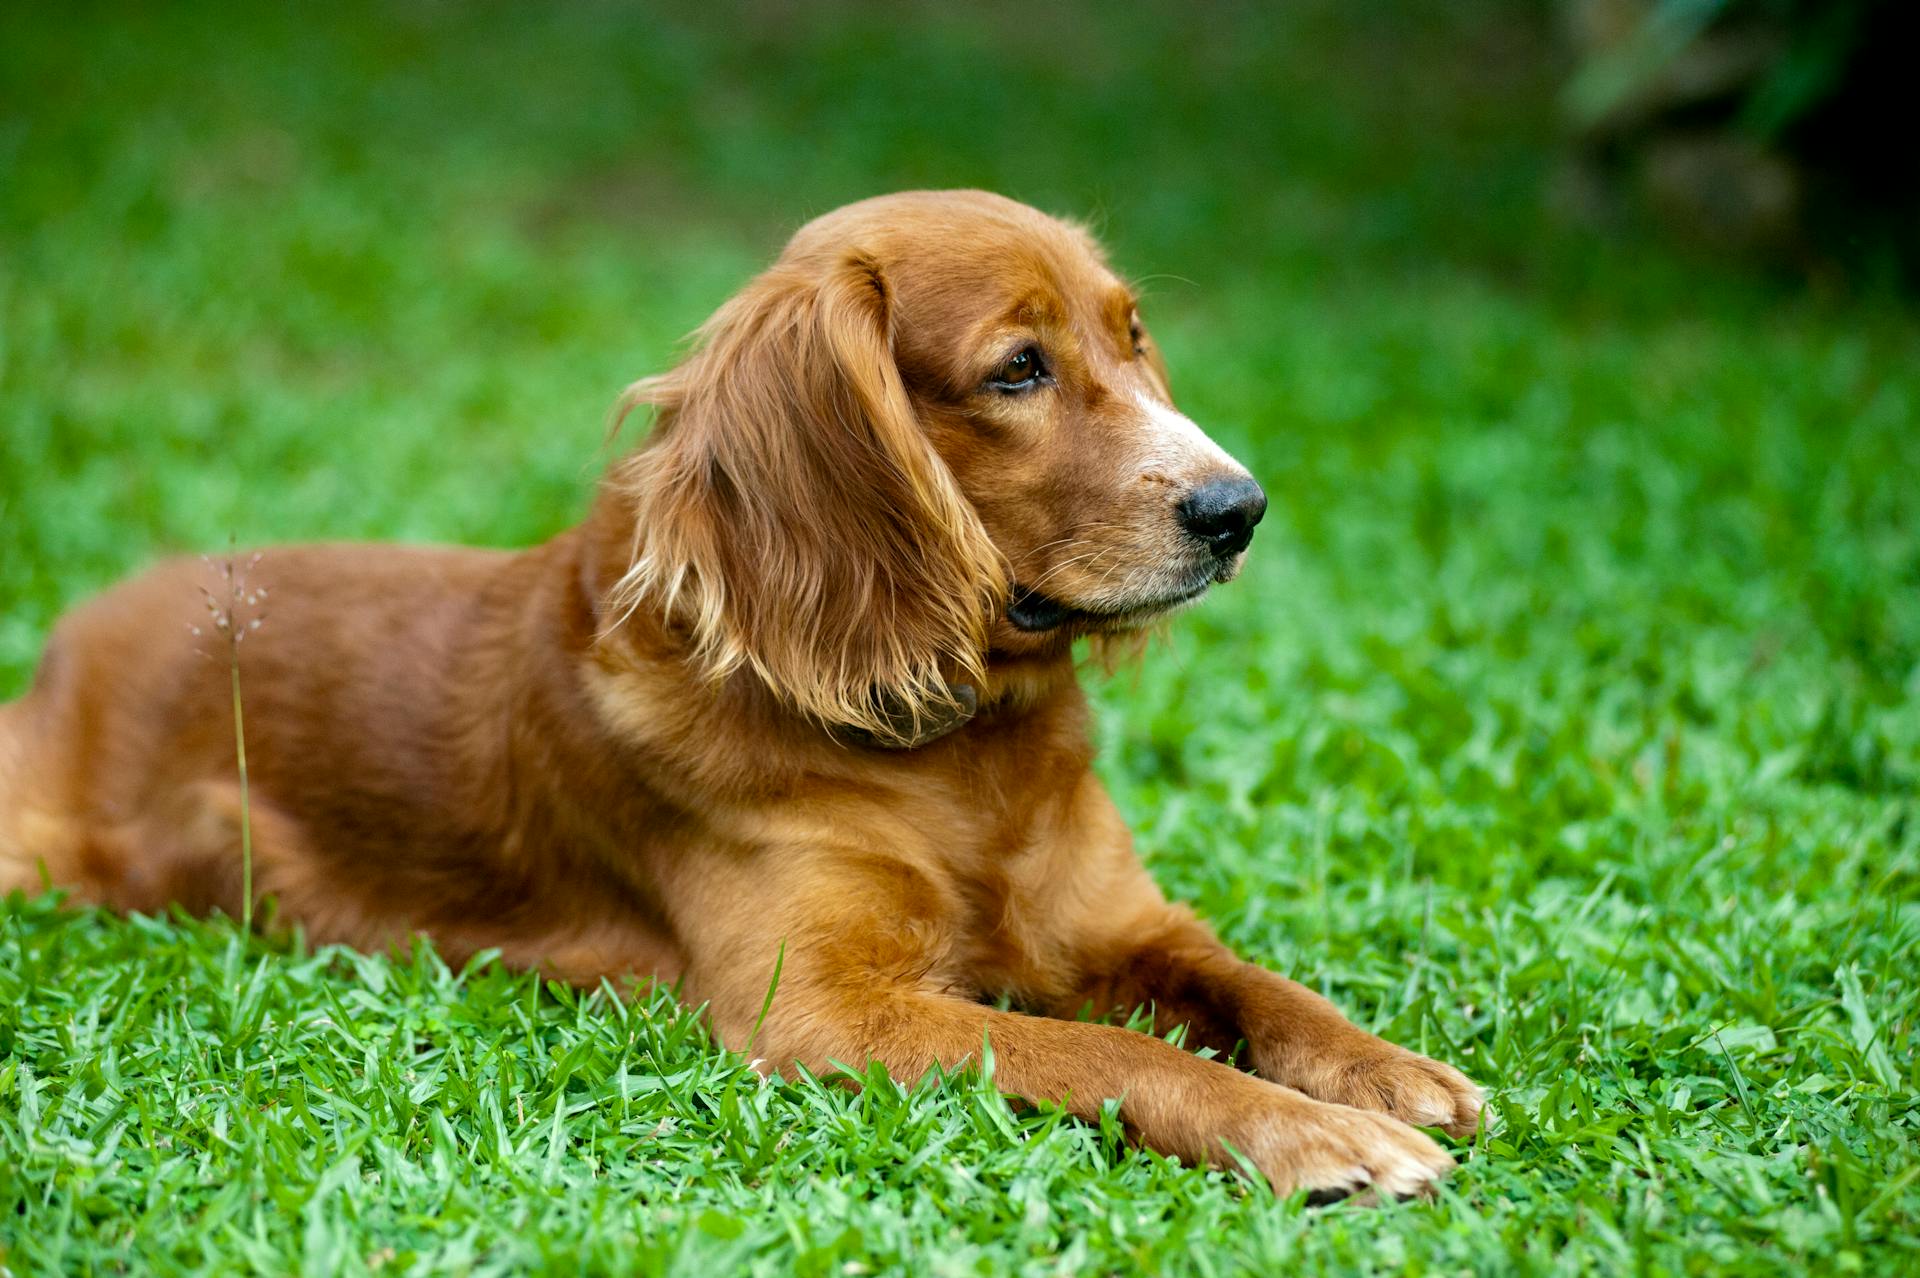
[{"x": 1564, "y": 721}]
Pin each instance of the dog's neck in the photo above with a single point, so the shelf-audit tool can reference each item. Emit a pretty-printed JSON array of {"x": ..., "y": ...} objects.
[
  {"x": 910, "y": 728},
  {"x": 1011, "y": 685}
]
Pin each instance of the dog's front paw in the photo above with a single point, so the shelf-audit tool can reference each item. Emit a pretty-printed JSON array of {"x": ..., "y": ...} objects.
[
  {"x": 1332, "y": 1152},
  {"x": 1412, "y": 1088}
]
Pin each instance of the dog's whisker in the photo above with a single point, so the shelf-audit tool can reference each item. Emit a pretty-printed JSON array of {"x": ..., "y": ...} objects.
[{"x": 1059, "y": 568}]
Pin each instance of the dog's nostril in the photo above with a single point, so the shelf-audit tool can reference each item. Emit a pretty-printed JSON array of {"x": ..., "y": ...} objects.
[{"x": 1222, "y": 513}]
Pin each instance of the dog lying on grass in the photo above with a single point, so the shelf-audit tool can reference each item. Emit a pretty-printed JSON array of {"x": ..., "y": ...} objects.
[{"x": 798, "y": 694}]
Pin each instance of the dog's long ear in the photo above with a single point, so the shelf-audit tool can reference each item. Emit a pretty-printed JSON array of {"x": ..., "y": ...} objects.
[{"x": 792, "y": 516}]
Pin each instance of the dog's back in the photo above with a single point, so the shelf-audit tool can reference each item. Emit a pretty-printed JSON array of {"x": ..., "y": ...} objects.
[
  {"x": 16, "y": 859},
  {"x": 118, "y": 772}
]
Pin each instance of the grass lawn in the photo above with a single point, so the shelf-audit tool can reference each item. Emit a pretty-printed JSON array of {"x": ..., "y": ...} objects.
[{"x": 1566, "y": 723}]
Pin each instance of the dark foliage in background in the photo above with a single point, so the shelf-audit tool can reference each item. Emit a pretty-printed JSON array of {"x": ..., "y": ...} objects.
[{"x": 1782, "y": 128}]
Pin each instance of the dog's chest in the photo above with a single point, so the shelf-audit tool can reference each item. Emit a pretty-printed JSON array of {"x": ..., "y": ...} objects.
[{"x": 1022, "y": 876}]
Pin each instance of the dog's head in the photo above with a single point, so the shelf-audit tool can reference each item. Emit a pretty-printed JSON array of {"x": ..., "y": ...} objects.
[{"x": 936, "y": 426}]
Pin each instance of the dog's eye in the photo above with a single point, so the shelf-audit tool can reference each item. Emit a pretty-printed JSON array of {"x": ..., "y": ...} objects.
[
  {"x": 1139, "y": 336},
  {"x": 1019, "y": 373}
]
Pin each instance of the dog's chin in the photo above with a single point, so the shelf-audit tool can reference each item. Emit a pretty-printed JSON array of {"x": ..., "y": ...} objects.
[{"x": 1038, "y": 613}]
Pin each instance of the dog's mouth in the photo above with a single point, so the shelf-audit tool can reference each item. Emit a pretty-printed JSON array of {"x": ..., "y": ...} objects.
[{"x": 1038, "y": 613}]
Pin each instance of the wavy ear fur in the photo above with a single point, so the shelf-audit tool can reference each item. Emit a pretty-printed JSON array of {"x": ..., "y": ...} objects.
[{"x": 792, "y": 516}]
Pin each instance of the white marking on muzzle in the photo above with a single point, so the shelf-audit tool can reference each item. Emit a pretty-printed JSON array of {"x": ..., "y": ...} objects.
[{"x": 1177, "y": 446}]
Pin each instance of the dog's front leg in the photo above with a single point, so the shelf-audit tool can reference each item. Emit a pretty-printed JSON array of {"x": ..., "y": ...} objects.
[
  {"x": 860, "y": 979},
  {"x": 1166, "y": 959}
]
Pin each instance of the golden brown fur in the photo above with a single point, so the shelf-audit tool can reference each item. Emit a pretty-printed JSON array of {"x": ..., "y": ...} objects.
[{"x": 702, "y": 730}]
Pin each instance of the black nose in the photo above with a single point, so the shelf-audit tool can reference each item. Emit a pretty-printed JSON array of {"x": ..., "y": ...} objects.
[{"x": 1222, "y": 513}]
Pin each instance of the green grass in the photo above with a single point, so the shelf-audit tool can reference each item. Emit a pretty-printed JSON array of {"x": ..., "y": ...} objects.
[{"x": 1566, "y": 723}]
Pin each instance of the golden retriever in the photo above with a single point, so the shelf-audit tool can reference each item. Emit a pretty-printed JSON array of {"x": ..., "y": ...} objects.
[{"x": 798, "y": 693}]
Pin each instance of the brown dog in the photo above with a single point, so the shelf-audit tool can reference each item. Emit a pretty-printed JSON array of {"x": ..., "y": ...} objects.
[{"x": 798, "y": 691}]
